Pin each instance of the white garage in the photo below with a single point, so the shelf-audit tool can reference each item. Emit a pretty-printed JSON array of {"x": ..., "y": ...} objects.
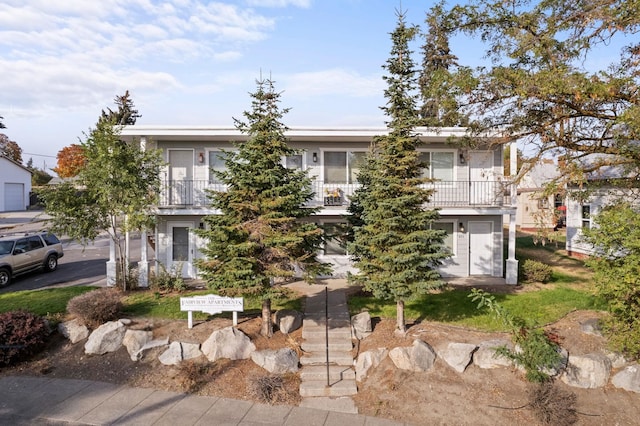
[{"x": 15, "y": 186}]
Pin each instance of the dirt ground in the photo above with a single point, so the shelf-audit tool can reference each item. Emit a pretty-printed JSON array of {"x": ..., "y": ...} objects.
[{"x": 438, "y": 397}]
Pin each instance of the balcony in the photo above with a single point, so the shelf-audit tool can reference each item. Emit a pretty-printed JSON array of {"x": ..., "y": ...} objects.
[{"x": 192, "y": 193}]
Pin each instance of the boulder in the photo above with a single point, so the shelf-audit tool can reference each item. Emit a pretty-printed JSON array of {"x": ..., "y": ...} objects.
[
  {"x": 419, "y": 357},
  {"x": 228, "y": 343},
  {"x": 628, "y": 378},
  {"x": 591, "y": 326},
  {"x": 617, "y": 359},
  {"x": 587, "y": 371},
  {"x": 134, "y": 340},
  {"x": 73, "y": 330},
  {"x": 279, "y": 361},
  {"x": 458, "y": 355},
  {"x": 178, "y": 352},
  {"x": 288, "y": 320},
  {"x": 486, "y": 357},
  {"x": 361, "y": 325},
  {"x": 368, "y": 360},
  {"x": 150, "y": 345},
  {"x": 106, "y": 338}
]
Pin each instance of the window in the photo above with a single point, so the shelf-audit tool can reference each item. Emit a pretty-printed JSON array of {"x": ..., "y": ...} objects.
[
  {"x": 448, "y": 239},
  {"x": 332, "y": 246},
  {"x": 438, "y": 165},
  {"x": 342, "y": 167},
  {"x": 293, "y": 162},
  {"x": 586, "y": 217},
  {"x": 217, "y": 163},
  {"x": 543, "y": 203}
]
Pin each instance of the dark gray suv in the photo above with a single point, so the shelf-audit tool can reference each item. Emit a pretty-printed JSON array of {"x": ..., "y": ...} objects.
[{"x": 22, "y": 253}]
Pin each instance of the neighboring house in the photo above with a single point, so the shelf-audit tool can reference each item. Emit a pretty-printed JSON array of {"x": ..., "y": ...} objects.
[
  {"x": 15, "y": 185},
  {"x": 538, "y": 211},
  {"x": 469, "y": 191}
]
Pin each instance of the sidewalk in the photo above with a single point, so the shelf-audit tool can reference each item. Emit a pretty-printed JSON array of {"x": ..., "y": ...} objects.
[{"x": 28, "y": 400}]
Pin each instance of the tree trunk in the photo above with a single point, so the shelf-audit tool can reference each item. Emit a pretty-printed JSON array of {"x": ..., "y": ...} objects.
[
  {"x": 401, "y": 327},
  {"x": 267, "y": 324}
]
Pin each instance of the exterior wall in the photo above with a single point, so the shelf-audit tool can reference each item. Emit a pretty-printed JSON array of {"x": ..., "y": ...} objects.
[
  {"x": 530, "y": 215},
  {"x": 575, "y": 245},
  {"x": 12, "y": 173}
]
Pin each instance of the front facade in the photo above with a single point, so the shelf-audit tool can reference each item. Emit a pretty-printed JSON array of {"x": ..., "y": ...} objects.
[
  {"x": 469, "y": 190},
  {"x": 537, "y": 210},
  {"x": 15, "y": 185}
]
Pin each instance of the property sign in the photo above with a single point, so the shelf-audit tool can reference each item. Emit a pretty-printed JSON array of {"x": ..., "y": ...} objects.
[{"x": 212, "y": 304}]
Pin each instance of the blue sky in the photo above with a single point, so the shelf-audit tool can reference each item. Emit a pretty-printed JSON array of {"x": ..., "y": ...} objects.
[{"x": 192, "y": 62}]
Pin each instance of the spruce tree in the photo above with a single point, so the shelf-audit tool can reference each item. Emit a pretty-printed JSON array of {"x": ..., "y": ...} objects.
[
  {"x": 260, "y": 235},
  {"x": 395, "y": 249}
]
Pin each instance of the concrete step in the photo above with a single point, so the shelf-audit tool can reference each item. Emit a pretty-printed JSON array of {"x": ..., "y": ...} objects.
[
  {"x": 320, "y": 388},
  {"x": 319, "y": 344},
  {"x": 337, "y": 358},
  {"x": 321, "y": 322},
  {"x": 320, "y": 332},
  {"x": 319, "y": 372},
  {"x": 343, "y": 404}
]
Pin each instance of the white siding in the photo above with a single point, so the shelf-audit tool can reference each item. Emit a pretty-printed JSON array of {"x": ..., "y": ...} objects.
[{"x": 15, "y": 186}]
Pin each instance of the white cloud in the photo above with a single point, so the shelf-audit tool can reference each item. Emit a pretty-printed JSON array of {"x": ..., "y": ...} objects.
[
  {"x": 334, "y": 81},
  {"x": 280, "y": 3}
]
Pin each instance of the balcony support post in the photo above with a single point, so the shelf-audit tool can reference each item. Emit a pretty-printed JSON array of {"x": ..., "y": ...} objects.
[{"x": 511, "y": 276}]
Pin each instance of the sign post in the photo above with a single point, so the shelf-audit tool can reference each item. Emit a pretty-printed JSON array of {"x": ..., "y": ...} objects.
[{"x": 211, "y": 304}]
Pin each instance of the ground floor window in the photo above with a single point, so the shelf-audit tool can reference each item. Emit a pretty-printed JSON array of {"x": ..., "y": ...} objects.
[
  {"x": 449, "y": 241},
  {"x": 586, "y": 216}
]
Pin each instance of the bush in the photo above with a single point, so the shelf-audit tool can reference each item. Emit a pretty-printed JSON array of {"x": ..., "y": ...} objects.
[
  {"x": 96, "y": 307},
  {"x": 272, "y": 389},
  {"x": 534, "y": 271},
  {"x": 553, "y": 406},
  {"x": 168, "y": 281},
  {"x": 22, "y": 334}
]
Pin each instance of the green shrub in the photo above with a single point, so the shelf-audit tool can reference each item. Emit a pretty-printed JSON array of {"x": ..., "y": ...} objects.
[
  {"x": 96, "y": 307},
  {"x": 168, "y": 280},
  {"x": 22, "y": 334},
  {"x": 535, "y": 271}
]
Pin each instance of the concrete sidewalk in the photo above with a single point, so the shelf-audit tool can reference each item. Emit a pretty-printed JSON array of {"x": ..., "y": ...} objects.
[{"x": 26, "y": 400}]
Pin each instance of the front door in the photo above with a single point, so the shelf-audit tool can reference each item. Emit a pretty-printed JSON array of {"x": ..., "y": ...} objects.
[
  {"x": 480, "y": 248},
  {"x": 180, "y": 177},
  {"x": 180, "y": 249},
  {"x": 482, "y": 181}
]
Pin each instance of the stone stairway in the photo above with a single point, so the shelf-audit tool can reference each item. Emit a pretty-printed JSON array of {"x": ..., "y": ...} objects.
[{"x": 318, "y": 392}]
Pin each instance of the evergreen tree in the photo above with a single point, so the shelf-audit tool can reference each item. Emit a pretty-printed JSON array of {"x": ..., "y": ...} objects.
[
  {"x": 394, "y": 248},
  {"x": 2, "y": 126},
  {"x": 126, "y": 114},
  {"x": 259, "y": 235}
]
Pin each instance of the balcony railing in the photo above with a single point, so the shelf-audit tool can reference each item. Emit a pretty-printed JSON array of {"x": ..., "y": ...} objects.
[{"x": 193, "y": 193}]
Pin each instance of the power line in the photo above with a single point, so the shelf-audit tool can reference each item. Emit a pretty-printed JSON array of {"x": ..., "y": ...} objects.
[{"x": 39, "y": 155}]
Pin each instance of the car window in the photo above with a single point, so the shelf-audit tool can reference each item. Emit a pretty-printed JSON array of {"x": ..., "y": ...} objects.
[
  {"x": 22, "y": 246},
  {"x": 50, "y": 239},
  {"x": 5, "y": 247},
  {"x": 35, "y": 243}
]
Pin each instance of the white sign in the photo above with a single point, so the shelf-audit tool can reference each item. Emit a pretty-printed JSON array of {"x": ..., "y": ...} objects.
[{"x": 212, "y": 304}]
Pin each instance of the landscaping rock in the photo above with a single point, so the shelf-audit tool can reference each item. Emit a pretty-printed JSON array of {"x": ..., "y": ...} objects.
[
  {"x": 106, "y": 338},
  {"x": 361, "y": 325},
  {"x": 458, "y": 355},
  {"x": 628, "y": 379},
  {"x": 73, "y": 330},
  {"x": 368, "y": 360},
  {"x": 617, "y": 360},
  {"x": 486, "y": 357},
  {"x": 591, "y": 326},
  {"x": 228, "y": 343},
  {"x": 152, "y": 344},
  {"x": 178, "y": 352},
  {"x": 587, "y": 371},
  {"x": 288, "y": 320},
  {"x": 277, "y": 361},
  {"x": 419, "y": 357},
  {"x": 134, "y": 340}
]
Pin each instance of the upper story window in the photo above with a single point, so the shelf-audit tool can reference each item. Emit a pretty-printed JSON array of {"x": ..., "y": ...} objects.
[
  {"x": 438, "y": 164},
  {"x": 342, "y": 166},
  {"x": 217, "y": 162},
  {"x": 586, "y": 216}
]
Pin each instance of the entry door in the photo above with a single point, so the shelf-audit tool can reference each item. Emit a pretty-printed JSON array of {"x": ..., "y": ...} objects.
[
  {"x": 180, "y": 249},
  {"x": 480, "y": 248},
  {"x": 181, "y": 177},
  {"x": 481, "y": 177}
]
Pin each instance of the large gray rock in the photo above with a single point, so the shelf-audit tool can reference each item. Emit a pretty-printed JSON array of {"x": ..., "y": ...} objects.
[
  {"x": 228, "y": 343},
  {"x": 587, "y": 371},
  {"x": 628, "y": 378},
  {"x": 457, "y": 355},
  {"x": 134, "y": 341},
  {"x": 288, "y": 320},
  {"x": 106, "y": 338},
  {"x": 368, "y": 360},
  {"x": 617, "y": 359},
  {"x": 361, "y": 325},
  {"x": 486, "y": 357},
  {"x": 73, "y": 330},
  {"x": 178, "y": 352},
  {"x": 419, "y": 357},
  {"x": 279, "y": 361}
]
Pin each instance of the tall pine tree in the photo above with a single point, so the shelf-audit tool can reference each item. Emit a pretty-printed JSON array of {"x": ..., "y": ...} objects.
[
  {"x": 394, "y": 248},
  {"x": 260, "y": 234}
]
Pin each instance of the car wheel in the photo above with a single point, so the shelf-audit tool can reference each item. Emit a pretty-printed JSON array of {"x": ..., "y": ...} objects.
[
  {"x": 52, "y": 263},
  {"x": 5, "y": 277}
]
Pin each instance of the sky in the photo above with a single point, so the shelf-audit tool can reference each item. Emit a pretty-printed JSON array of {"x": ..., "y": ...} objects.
[{"x": 193, "y": 62}]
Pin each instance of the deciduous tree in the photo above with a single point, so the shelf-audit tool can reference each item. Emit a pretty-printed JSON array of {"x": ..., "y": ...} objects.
[
  {"x": 259, "y": 235},
  {"x": 10, "y": 149},
  {"x": 71, "y": 160}
]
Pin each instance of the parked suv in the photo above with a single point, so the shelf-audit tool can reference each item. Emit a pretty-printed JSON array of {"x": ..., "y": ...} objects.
[{"x": 22, "y": 253}]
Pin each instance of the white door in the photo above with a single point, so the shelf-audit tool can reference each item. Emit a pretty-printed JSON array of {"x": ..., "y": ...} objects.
[
  {"x": 481, "y": 176},
  {"x": 480, "y": 248},
  {"x": 180, "y": 248},
  {"x": 14, "y": 197},
  {"x": 180, "y": 177}
]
